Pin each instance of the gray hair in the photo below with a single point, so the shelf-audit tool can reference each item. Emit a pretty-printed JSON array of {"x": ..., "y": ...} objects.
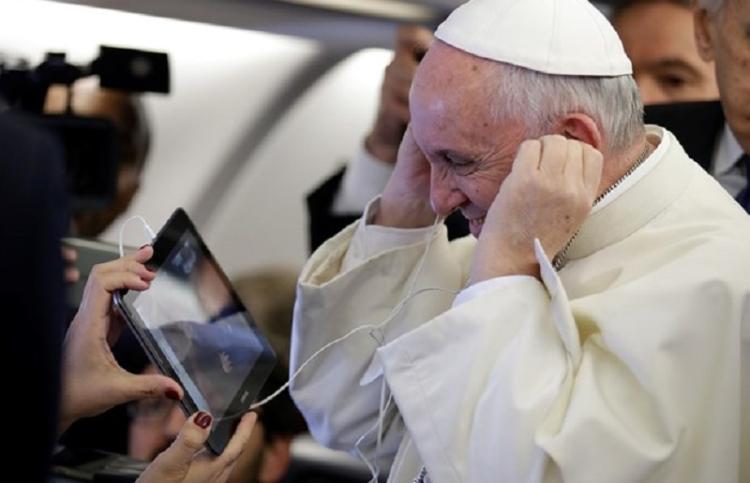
[{"x": 539, "y": 99}]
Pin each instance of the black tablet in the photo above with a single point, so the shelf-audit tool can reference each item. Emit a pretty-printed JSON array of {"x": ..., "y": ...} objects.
[{"x": 194, "y": 329}]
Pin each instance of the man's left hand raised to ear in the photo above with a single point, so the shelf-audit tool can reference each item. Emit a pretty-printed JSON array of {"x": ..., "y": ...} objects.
[{"x": 548, "y": 195}]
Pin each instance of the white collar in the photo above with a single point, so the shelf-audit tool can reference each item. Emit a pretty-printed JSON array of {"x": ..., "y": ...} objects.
[
  {"x": 728, "y": 151},
  {"x": 654, "y": 134},
  {"x": 661, "y": 179}
]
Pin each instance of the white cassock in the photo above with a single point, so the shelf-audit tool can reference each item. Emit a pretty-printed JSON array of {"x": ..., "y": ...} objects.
[{"x": 632, "y": 364}]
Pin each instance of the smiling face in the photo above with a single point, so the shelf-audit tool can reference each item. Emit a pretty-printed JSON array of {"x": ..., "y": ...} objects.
[{"x": 470, "y": 151}]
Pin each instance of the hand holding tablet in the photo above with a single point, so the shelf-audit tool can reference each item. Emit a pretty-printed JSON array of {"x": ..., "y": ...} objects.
[
  {"x": 194, "y": 329},
  {"x": 92, "y": 381}
]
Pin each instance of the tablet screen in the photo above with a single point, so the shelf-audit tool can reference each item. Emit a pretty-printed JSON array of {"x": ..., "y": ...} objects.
[{"x": 203, "y": 331}]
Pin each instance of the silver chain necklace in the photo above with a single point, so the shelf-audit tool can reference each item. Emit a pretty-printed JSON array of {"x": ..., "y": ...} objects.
[{"x": 562, "y": 258}]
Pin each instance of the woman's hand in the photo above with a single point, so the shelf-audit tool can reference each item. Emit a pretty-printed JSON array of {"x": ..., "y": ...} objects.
[
  {"x": 187, "y": 461},
  {"x": 92, "y": 380}
]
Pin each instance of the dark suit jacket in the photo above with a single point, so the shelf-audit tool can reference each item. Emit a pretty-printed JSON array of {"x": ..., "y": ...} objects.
[
  {"x": 33, "y": 201},
  {"x": 697, "y": 125}
]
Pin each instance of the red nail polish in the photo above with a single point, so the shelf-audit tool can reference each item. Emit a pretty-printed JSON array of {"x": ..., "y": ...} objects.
[
  {"x": 203, "y": 419},
  {"x": 172, "y": 394}
]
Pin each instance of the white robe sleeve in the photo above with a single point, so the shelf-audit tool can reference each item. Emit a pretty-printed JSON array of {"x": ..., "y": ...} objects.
[
  {"x": 338, "y": 404},
  {"x": 500, "y": 387}
]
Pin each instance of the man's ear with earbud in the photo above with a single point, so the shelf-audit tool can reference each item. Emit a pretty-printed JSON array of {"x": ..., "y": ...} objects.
[{"x": 580, "y": 127}]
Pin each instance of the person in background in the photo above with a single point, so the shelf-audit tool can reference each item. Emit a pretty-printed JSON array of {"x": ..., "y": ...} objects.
[
  {"x": 133, "y": 129},
  {"x": 91, "y": 381},
  {"x": 31, "y": 186},
  {"x": 269, "y": 297},
  {"x": 659, "y": 38},
  {"x": 127, "y": 112},
  {"x": 339, "y": 200},
  {"x": 717, "y": 133},
  {"x": 722, "y": 35}
]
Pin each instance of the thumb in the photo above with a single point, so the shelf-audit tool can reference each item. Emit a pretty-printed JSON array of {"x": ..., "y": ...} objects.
[
  {"x": 141, "y": 386},
  {"x": 190, "y": 441},
  {"x": 174, "y": 463},
  {"x": 143, "y": 254},
  {"x": 592, "y": 169}
]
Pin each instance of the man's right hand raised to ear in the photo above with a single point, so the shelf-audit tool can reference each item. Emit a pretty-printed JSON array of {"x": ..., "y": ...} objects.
[
  {"x": 547, "y": 196},
  {"x": 405, "y": 202}
]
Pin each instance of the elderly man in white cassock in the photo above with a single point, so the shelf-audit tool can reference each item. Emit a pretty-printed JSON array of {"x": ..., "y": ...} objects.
[{"x": 595, "y": 328}]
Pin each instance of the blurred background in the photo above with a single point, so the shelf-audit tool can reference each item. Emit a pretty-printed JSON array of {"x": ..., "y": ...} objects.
[{"x": 267, "y": 98}]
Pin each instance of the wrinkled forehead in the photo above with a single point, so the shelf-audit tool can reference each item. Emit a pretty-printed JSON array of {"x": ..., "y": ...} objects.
[
  {"x": 451, "y": 78},
  {"x": 452, "y": 89},
  {"x": 447, "y": 68}
]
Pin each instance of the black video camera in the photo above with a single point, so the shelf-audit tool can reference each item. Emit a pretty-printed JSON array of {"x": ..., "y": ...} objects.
[{"x": 90, "y": 144}]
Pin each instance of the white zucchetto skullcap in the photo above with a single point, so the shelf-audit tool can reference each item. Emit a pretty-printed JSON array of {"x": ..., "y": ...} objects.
[{"x": 565, "y": 37}]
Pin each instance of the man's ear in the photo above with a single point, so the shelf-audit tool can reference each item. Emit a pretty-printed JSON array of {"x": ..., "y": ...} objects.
[
  {"x": 704, "y": 33},
  {"x": 580, "y": 127},
  {"x": 277, "y": 455}
]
